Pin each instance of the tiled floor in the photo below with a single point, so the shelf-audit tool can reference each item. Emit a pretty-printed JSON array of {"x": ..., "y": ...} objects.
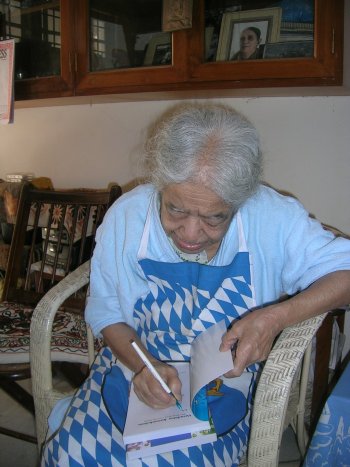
[{"x": 17, "y": 453}]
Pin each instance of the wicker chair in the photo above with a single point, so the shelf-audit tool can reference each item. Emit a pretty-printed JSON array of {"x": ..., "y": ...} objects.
[{"x": 279, "y": 396}]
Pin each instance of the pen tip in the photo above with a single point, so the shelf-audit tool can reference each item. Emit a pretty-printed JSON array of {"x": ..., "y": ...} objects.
[{"x": 178, "y": 405}]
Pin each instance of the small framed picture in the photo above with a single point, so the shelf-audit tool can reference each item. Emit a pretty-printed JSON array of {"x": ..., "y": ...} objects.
[
  {"x": 244, "y": 34},
  {"x": 177, "y": 14},
  {"x": 159, "y": 50}
]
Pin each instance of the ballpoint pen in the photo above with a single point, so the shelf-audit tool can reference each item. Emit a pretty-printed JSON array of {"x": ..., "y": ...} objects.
[{"x": 154, "y": 372}]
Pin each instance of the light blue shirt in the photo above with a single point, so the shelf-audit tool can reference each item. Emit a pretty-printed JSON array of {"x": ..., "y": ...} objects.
[{"x": 289, "y": 251}]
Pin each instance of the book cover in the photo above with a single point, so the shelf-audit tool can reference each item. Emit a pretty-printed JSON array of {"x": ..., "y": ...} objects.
[{"x": 161, "y": 445}]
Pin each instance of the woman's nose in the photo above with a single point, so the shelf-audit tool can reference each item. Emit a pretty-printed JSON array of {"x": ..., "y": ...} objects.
[{"x": 192, "y": 229}]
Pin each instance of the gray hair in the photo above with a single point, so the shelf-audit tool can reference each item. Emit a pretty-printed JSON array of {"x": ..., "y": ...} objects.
[{"x": 211, "y": 144}]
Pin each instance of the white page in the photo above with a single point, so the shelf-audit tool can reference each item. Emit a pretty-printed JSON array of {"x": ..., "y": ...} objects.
[{"x": 207, "y": 362}]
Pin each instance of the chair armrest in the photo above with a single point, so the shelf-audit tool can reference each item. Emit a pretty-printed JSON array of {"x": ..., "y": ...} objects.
[
  {"x": 273, "y": 391},
  {"x": 40, "y": 344}
]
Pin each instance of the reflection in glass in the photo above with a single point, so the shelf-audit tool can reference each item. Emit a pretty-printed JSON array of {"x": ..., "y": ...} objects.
[
  {"x": 127, "y": 34},
  {"x": 35, "y": 26},
  {"x": 258, "y": 29}
]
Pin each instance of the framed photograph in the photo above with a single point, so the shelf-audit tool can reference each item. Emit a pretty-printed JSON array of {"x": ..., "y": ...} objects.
[
  {"x": 177, "y": 14},
  {"x": 237, "y": 27},
  {"x": 159, "y": 50}
]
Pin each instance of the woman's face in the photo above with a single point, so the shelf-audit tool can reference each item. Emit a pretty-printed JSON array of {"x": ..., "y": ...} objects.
[
  {"x": 194, "y": 217},
  {"x": 248, "y": 43}
]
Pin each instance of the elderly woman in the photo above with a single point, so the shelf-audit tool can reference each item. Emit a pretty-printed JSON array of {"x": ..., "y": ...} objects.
[{"x": 204, "y": 241}]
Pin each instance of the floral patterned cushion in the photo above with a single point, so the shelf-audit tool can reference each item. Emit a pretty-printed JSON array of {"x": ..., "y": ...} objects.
[{"x": 69, "y": 337}]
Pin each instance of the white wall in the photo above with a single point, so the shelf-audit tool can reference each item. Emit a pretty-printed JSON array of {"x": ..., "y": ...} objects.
[{"x": 306, "y": 142}]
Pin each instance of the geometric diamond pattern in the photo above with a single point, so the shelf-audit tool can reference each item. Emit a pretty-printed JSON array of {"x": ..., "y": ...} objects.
[
  {"x": 88, "y": 437},
  {"x": 184, "y": 300},
  {"x": 179, "y": 306}
]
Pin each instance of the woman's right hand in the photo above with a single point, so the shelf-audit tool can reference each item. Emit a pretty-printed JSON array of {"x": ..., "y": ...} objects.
[
  {"x": 149, "y": 390},
  {"x": 118, "y": 337}
]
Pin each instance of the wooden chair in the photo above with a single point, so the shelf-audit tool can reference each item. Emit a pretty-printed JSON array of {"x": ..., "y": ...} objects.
[
  {"x": 324, "y": 378},
  {"x": 54, "y": 233}
]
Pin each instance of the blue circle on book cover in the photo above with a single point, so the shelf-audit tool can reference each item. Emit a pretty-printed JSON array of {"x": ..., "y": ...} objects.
[
  {"x": 200, "y": 405},
  {"x": 227, "y": 407}
]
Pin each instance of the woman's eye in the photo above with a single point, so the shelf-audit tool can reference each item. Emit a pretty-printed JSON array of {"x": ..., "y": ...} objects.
[
  {"x": 214, "y": 222},
  {"x": 175, "y": 212}
]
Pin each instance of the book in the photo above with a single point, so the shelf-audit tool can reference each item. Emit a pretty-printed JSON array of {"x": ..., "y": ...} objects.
[
  {"x": 145, "y": 425},
  {"x": 161, "y": 445}
]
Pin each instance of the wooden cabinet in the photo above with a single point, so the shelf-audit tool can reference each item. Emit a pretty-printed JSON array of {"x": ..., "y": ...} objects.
[
  {"x": 190, "y": 66},
  {"x": 323, "y": 68},
  {"x": 139, "y": 77}
]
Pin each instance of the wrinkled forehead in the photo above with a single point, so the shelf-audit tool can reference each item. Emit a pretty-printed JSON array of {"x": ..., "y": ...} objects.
[{"x": 194, "y": 198}]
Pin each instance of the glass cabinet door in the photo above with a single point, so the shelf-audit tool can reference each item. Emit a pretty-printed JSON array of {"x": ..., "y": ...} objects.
[
  {"x": 124, "y": 46},
  {"x": 36, "y": 27},
  {"x": 254, "y": 43},
  {"x": 256, "y": 30},
  {"x": 127, "y": 34}
]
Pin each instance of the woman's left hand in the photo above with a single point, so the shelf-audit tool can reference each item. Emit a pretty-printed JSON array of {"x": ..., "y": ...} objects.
[
  {"x": 251, "y": 338},
  {"x": 255, "y": 333}
]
